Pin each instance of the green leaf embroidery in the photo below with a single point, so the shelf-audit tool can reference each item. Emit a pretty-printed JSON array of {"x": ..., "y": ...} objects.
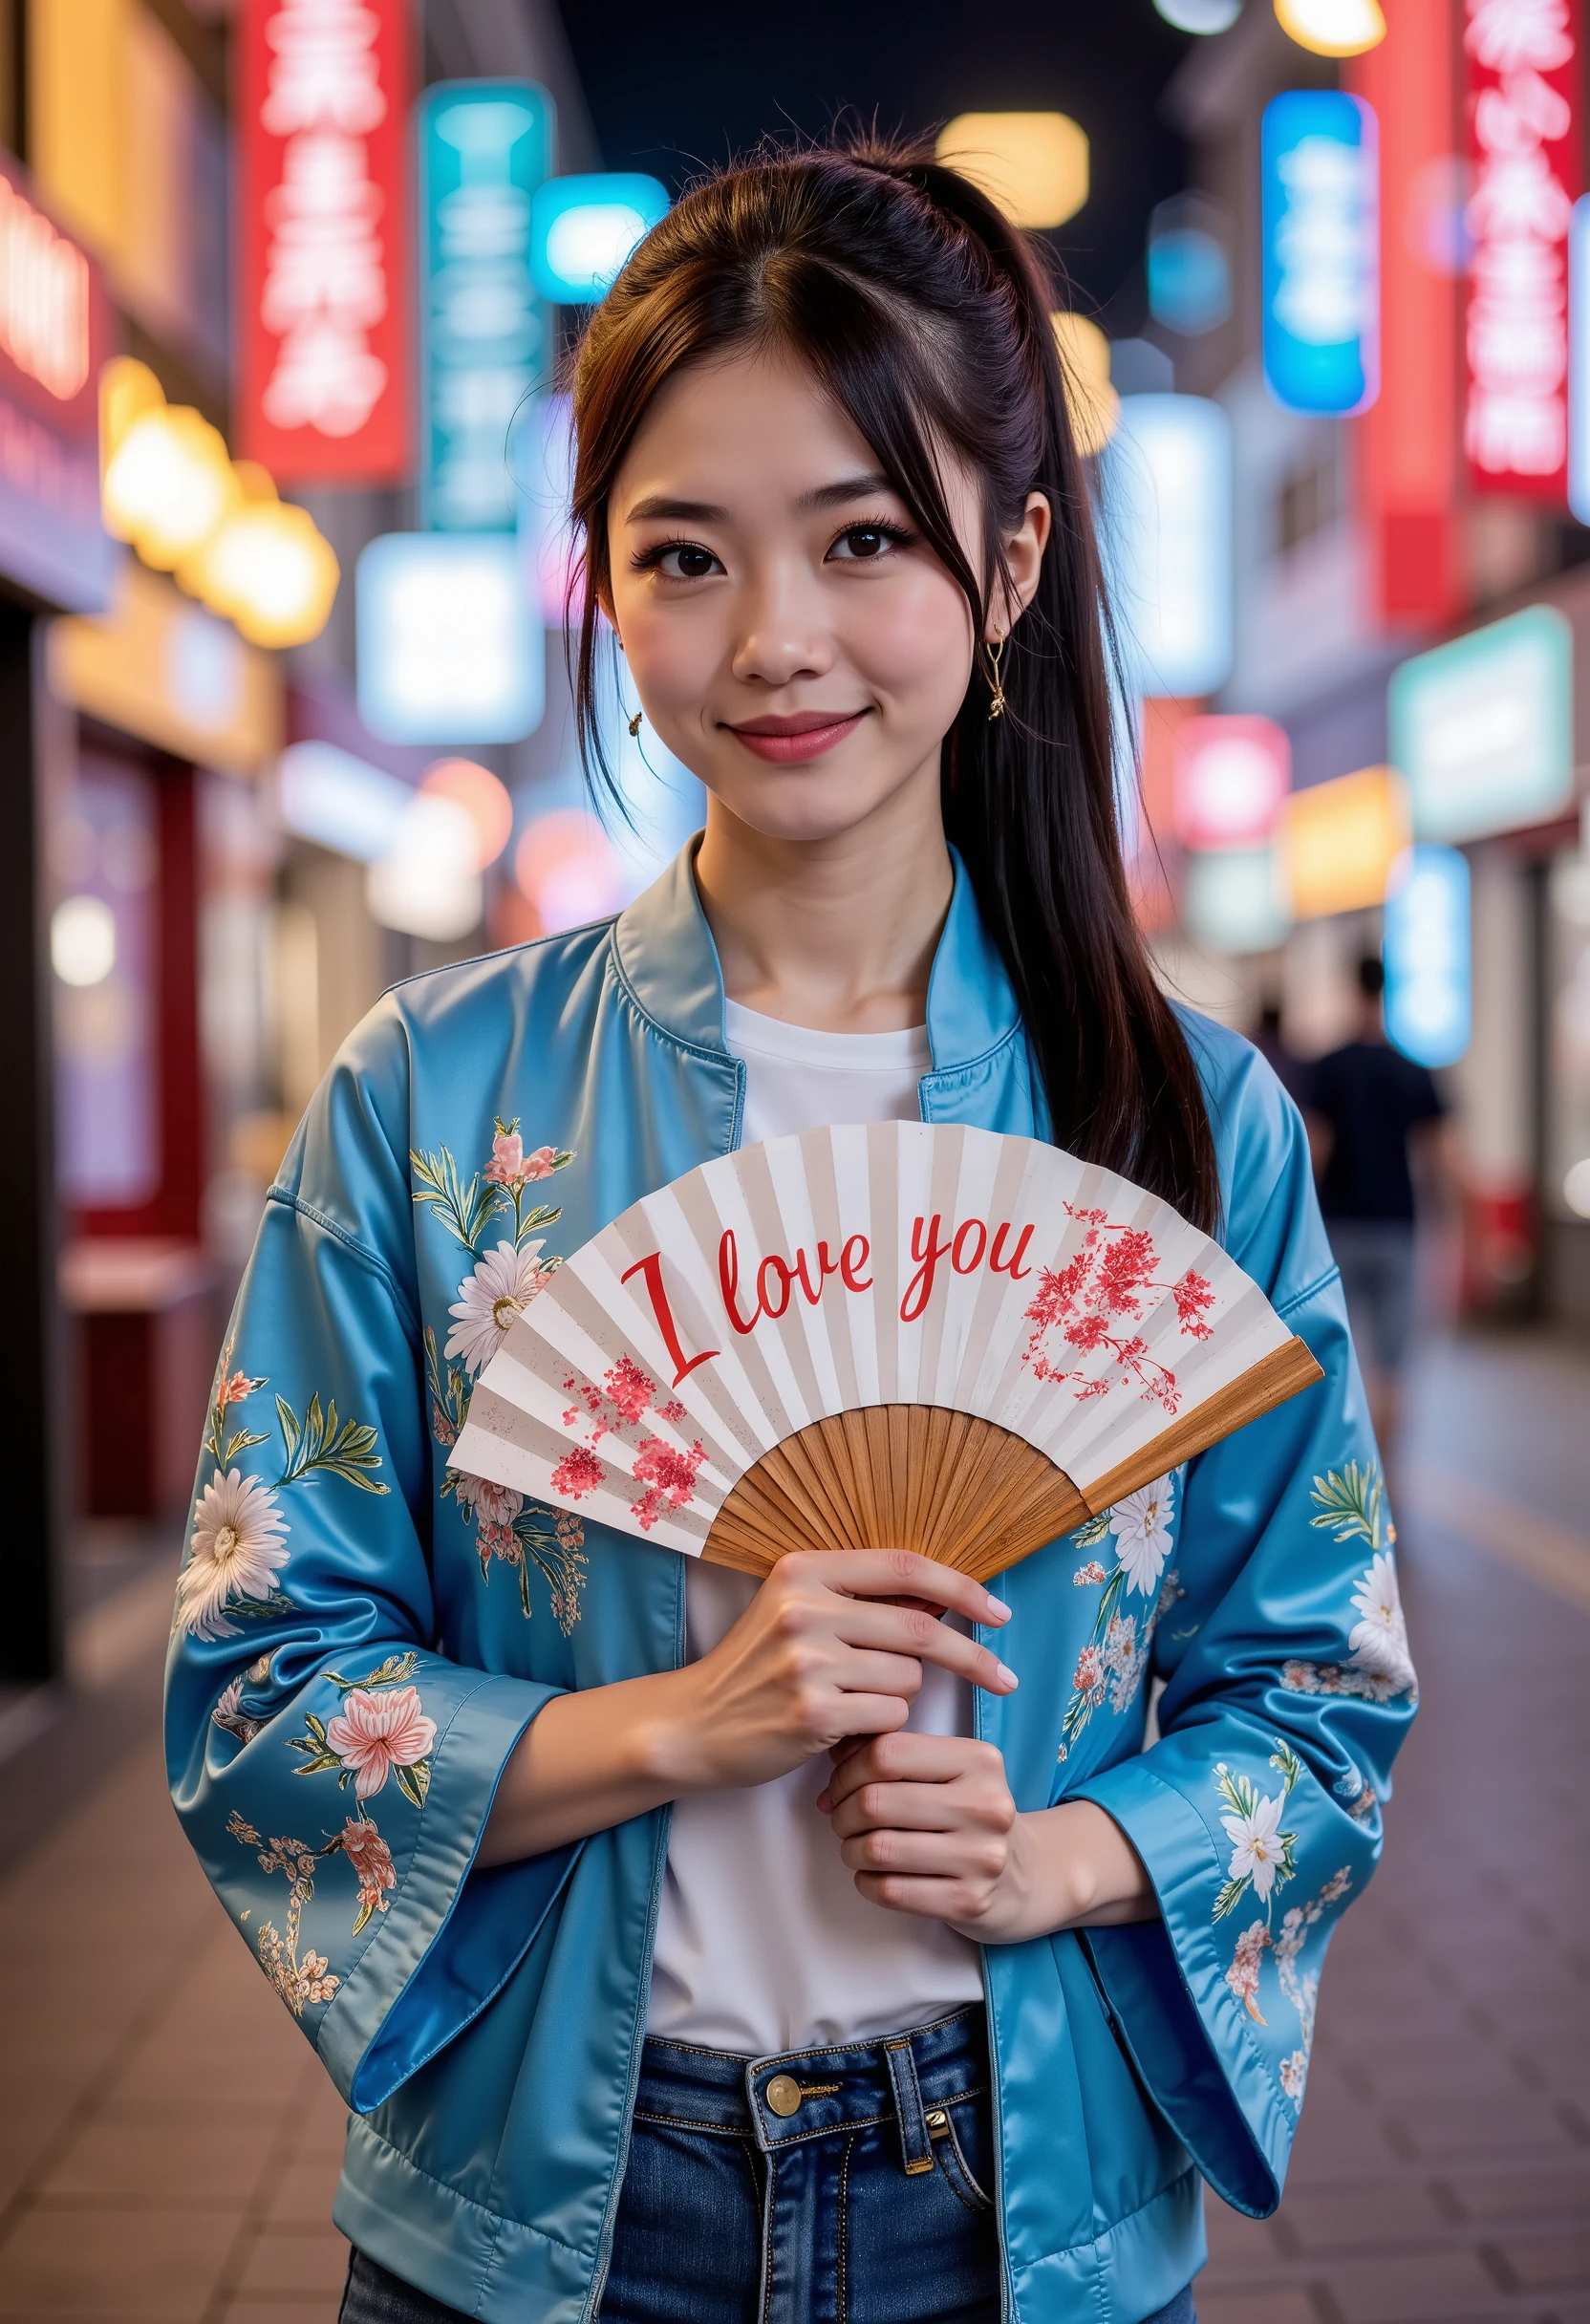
[
  {"x": 256, "y": 1608},
  {"x": 414, "y": 1780},
  {"x": 1352, "y": 1503},
  {"x": 1286, "y": 1763},
  {"x": 348, "y": 1452},
  {"x": 465, "y": 1211},
  {"x": 1229, "y": 1898}
]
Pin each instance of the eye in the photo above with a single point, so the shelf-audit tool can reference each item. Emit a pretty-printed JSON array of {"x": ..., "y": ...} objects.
[
  {"x": 679, "y": 561},
  {"x": 867, "y": 543}
]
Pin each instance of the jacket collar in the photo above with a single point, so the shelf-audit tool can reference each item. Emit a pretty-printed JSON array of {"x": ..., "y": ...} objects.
[{"x": 667, "y": 958}]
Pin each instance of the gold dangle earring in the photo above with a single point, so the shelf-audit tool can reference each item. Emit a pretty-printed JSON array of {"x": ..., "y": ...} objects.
[
  {"x": 997, "y": 707},
  {"x": 634, "y": 724}
]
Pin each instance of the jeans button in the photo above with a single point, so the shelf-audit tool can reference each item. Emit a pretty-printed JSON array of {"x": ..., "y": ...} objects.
[{"x": 783, "y": 2093}]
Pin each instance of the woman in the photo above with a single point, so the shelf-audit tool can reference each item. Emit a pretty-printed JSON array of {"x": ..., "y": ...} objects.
[{"x": 686, "y": 1948}]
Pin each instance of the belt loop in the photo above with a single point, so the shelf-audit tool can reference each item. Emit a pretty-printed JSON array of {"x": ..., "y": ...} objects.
[{"x": 915, "y": 2146}]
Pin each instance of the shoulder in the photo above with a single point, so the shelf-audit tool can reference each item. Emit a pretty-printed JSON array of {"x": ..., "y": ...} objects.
[
  {"x": 1270, "y": 1220},
  {"x": 429, "y": 1047}
]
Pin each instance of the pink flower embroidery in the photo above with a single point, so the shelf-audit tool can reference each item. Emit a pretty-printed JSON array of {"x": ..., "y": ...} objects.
[
  {"x": 372, "y": 1861},
  {"x": 577, "y": 1474},
  {"x": 1092, "y": 1571},
  {"x": 512, "y": 1167},
  {"x": 372, "y": 1733},
  {"x": 1089, "y": 1672},
  {"x": 1242, "y": 1976}
]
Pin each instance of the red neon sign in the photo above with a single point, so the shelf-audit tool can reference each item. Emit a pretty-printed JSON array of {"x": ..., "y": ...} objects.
[
  {"x": 1408, "y": 465},
  {"x": 53, "y": 317},
  {"x": 324, "y": 235},
  {"x": 1524, "y": 60}
]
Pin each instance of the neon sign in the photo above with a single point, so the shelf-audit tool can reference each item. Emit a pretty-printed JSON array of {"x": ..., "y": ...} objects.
[
  {"x": 1320, "y": 203},
  {"x": 484, "y": 150},
  {"x": 324, "y": 238},
  {"x": 1524, "y": 59}
]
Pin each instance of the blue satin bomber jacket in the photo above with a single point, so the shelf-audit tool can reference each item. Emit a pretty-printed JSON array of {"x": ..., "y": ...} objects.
[{"x": 362, "y": 1639}]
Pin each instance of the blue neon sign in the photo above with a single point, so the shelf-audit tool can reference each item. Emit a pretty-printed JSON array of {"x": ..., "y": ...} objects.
[
  {"x": 1321, "y": 222},
  {"x": 584, "y": 229},
  {"x": 1429, "y": 997},
  {"x": 485, "y": 147},
  {"x": 1168, "y": 542}
]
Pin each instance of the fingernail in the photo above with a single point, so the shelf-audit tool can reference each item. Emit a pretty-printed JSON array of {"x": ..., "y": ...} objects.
[
  {"x": 997, "y": 1610},
  {"x": 1007, "y": 1676}
]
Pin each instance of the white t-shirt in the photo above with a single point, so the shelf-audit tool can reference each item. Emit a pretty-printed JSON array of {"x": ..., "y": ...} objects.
[{"x": 764, "y": 1944}]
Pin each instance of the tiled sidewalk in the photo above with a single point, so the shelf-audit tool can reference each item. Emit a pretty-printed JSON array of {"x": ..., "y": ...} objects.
[
  {"x": 1442, "y": 2170},
  {"x": 169, "y": 2145}
]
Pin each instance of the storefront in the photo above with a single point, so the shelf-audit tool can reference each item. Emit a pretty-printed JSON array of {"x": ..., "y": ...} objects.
[
  {"x": 161, "y": 862},
  {"x": 54, "y": 558}
]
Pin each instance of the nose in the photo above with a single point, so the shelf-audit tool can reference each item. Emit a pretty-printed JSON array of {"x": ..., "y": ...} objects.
[{"x": 783, "y": 632}]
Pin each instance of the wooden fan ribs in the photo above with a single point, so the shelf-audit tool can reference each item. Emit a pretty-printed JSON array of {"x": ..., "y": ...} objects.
[{"x": 957, "y": 1488}]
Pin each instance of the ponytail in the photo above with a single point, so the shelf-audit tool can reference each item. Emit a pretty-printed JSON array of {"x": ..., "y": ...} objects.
[{"x": 926, "y": 315}]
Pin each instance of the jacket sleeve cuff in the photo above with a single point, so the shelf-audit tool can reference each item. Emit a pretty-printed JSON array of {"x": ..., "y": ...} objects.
[
  {"x": 1165, "y": 1988},
  {"x": 436, "y": 1962}
]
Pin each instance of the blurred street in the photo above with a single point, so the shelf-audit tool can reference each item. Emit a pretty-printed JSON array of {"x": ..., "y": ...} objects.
[{"x": 169, "y": 2146}]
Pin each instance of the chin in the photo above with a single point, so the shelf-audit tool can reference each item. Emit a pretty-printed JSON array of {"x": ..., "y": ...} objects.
[{"x": 802, "y": 805}]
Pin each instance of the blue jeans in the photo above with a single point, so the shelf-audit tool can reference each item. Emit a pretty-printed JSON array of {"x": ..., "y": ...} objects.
[{"x": 832, "y": 2186}]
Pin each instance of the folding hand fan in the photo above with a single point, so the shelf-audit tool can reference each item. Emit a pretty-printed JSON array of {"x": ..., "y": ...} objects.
[{"x": 894, "y": 1335}]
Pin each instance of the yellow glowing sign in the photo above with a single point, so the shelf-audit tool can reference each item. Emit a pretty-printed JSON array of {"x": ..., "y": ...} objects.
[
  {"x": 1333, "y": 27},
  {"x": 1094, "y": 406},
  {"x": 1033, "y": 165},
  {"x": 1338, "y": 842},
  {"x": 170, "y": 489}
]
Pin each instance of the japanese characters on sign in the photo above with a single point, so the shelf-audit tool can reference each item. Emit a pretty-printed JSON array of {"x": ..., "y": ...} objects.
[
  {"x": 324, "y": 239},
  {"x": 1524, "y": 62},
  {"x": 485, "y": 147}
]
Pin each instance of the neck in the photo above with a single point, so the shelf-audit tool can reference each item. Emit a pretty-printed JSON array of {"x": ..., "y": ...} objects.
[{"x": 837, "y": 932}]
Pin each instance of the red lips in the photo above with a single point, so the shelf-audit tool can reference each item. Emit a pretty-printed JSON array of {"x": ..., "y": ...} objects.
[{"x": 804, "y": 734}]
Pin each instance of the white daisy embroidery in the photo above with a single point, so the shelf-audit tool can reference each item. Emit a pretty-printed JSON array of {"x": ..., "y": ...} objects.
[
  {"x": 1140, "y": 1524},
  {"x": 502, "y": 1286}
]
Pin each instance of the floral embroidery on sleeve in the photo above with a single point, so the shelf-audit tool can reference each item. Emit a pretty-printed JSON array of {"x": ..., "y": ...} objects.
[
  {"x": 1113, "y": 1661},
  {"x": 1299, "y": 1987},
  {"x": 501, "y": 1284},
  {"x": 1352, "y": 1506},
  {"x": 240, "y": 1536},
  {"x": 1262, "y": 1853}
]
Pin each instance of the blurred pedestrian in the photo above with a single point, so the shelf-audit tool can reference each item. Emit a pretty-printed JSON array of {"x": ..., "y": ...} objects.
[
  {"x": 1374, "y": 1119},
  {"x": 1288, "y": 1068},
  {"x": 744, "y": 1948}
]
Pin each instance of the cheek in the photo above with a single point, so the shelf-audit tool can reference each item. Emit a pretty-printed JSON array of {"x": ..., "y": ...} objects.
[
  {"x": 912, "y": 639},
  {"x": 670, "y": 653}
]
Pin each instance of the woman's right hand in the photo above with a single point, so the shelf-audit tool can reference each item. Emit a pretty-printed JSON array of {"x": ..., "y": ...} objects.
[{"x": 832, "y": 1645}]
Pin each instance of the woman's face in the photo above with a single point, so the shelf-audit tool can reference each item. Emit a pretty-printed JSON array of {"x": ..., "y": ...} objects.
[{"x": 790, "y": 636}]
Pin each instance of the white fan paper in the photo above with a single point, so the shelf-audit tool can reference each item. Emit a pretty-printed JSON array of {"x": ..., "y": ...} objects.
[{"x": 840, "y": 1276}]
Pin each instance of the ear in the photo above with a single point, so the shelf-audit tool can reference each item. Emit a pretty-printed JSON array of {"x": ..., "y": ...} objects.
[{"x": 1023, "y": 550}]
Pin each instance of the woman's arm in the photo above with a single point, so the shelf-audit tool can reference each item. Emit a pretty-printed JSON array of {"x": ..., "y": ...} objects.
[
  {"x": 818, "y": 1655},
  {"x": 928, "y": 1825}
]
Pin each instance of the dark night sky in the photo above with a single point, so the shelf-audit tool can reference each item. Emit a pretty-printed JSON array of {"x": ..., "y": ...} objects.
[{"x": 673, "y": 88}]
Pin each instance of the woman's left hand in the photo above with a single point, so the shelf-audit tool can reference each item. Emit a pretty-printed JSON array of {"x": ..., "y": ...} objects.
[{"x": 928, "y": 1825}]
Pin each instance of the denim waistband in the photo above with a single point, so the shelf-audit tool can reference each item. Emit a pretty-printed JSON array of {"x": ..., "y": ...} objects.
[{"x": 810, "y": 2094}]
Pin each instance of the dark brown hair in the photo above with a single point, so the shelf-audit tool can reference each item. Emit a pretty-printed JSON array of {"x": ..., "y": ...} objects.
[{"x": 927, "y": 318}]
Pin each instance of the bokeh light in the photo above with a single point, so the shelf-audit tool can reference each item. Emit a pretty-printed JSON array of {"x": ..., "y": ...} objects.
[
  {"x": 484, "y": 798},
  {"x": 1035, "y": 166},
  {"x": 82, "y": 941},
  {"x": 1332, "y": 28},
  {"x": 567, "y": 869},
  {"x": 1094, "y": 405}
]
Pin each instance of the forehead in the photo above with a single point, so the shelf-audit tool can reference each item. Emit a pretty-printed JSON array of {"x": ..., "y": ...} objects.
[{"x": 756, "y": 426}]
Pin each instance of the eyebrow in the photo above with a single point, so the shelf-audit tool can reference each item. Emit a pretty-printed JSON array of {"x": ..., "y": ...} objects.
[{"x": 706, "y": 512}]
